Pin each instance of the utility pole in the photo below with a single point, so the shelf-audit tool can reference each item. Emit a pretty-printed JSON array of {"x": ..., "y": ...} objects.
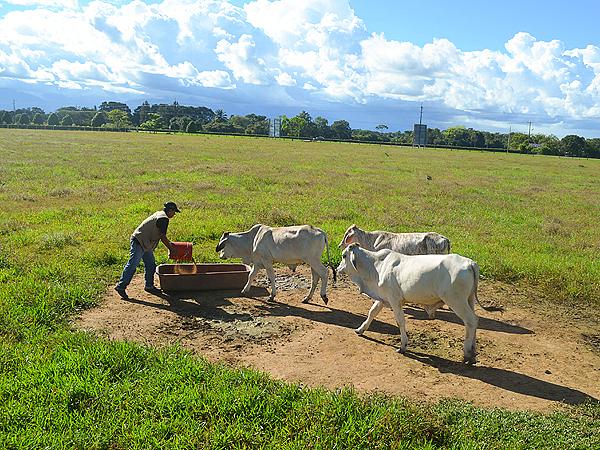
[
  {"x": 529, "y": 138},
  {"x": 420, "y": 122},
  {"x": 508, "y": 144}
]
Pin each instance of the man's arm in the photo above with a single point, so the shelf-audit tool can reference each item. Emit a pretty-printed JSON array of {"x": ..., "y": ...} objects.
[
  {"x": 163, "y": 224},
  {"x": 167, "y": 242}
]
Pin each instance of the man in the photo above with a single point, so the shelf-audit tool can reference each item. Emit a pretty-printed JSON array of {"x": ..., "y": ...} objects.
[{"x": 144, "y": 240}]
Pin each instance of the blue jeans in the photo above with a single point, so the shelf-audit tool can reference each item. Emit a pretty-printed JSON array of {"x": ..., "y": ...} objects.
[{"x": 137, "y": 254}]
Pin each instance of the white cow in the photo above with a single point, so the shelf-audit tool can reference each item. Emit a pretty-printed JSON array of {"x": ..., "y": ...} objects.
[
  {"x": 406, "y": 243},
  {"x": 391, "y": 279},
  {"x": 262, "y": 245},
  {"x": 429, "y": 243}
]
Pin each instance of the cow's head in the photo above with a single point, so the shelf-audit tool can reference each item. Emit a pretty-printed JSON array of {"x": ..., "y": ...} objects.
[
  {"x": 349, "y": 236},
  {"x": 348, "y": 262},
  {"x": 223, "y": 249}
]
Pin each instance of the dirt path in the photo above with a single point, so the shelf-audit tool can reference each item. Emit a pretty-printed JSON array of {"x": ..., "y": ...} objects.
[{"x": 528, "y": 360}]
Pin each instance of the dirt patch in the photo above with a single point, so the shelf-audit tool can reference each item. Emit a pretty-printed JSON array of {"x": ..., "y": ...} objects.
[
  {"x": 593, "y": 341},
  {"x": 529, "y": 358}
]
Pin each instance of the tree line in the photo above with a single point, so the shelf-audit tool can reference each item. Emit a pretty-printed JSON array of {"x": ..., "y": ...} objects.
[{"x": 192, "y": 119}]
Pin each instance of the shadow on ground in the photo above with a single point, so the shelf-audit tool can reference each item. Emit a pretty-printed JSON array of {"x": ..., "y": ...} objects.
[
  {"x": 506, "y": 379},
  {"x": 484, "y": 322},
  {"x": 209, "y": 305}
]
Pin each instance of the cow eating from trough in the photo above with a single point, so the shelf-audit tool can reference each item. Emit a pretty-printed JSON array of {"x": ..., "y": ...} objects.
[
  {"x": 429, "y": 243},
  {"x": 262, "y": 245},
  {"x": 392, "y": 279}
]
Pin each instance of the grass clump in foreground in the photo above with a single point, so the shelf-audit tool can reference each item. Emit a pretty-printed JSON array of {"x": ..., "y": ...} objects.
[
  {"x": 77, "y": 391},
  {"x": 168, "y": 399},
  {"x": 60, "y": 388}
]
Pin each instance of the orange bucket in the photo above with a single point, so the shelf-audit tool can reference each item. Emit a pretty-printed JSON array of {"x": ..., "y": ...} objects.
[{"x": 182, "y": 251}]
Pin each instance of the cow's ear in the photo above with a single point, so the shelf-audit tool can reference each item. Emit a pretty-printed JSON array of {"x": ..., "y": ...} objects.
[
  {"x": 221, "y": 244},
  {"x": 353, "y": 260},
  {"x": 348, "y": 238}
]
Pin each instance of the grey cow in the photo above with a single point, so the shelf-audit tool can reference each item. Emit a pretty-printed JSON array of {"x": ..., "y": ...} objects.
[{"x": 429, "y": 243}]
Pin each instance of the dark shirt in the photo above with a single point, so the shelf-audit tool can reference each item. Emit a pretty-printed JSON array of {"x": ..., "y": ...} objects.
[{"x": 163, "y": 224}]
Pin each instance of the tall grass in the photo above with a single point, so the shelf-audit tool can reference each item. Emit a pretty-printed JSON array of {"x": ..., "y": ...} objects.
[{"x": 70, "y": 200}]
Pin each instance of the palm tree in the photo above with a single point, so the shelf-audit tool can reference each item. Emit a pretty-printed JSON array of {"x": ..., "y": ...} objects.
[{"x": 220, "y": 116}]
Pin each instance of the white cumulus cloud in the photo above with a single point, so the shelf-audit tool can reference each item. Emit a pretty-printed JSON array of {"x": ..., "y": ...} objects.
[
  {"x": 240, "y": 57},
  {"x": 288, "y": 51}
]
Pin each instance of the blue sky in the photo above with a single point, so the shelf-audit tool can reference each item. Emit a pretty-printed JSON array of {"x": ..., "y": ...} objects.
[
  {"x": 486, "y": 65},
  {"x": 476, "y": 25}
]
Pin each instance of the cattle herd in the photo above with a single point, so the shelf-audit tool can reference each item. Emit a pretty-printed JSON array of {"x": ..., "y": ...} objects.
[{"x": 390, "y": 268}]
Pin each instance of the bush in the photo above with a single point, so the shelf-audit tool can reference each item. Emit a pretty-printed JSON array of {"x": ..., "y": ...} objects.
[
  {"x": 38, "y": 119},
  {"x": 99, "y": 119},
  {"x": 67, "y": 121},
  {"x": 192, "y": 127},
  {"x": 53, "y": 119}
]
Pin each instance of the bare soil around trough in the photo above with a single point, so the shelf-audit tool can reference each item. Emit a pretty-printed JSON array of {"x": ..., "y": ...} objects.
[{"x": 530, "y": 357}]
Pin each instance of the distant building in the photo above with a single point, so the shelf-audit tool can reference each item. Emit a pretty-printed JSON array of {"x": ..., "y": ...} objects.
[
  {"x": 275, "y": 127},
  {"x": 419, "y": 135}
]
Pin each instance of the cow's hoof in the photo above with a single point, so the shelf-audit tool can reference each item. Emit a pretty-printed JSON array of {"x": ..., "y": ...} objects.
[
  {"x": 470, "y": 360},
  {"x": 325, "y": 299},
  {"x": 401, "y": 350},
  {"x": 430, "y": 313},
  {"x": 306, "y": 300},
  {"x": 359, "y": 331}
]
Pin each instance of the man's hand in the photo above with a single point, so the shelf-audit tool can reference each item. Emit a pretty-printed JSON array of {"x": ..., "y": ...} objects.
[{"x": 167, "y": 243}]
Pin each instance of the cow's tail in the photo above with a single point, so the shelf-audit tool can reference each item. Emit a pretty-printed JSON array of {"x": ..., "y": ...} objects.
[
  {"x": 473, "y": 298},
  {"x": 329, "y": 258}
]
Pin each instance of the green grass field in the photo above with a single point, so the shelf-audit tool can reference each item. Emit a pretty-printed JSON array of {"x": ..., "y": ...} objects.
[{"x": 70, "y": 200}]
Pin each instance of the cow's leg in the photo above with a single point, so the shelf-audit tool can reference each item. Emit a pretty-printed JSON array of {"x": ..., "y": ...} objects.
[
  {"x": 473, "y": 300},
  {"x": 377, "y": 306},
  {"x": 467, "y": 315},
  {"x": 255, "y": 268},
  {"x": 431, "y": 309},
  {"x": 322, "y": 272},
  {"x": 271, "y": 275},
  {"x": 399, "y": 315},
  {"x": 314, "y": 280}
]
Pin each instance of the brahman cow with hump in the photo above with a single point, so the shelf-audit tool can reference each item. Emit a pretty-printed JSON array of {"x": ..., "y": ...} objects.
[
  {"x": 429, "y": 243},
  {"x": 391, "y": 279},
  {"x": 262, "y": 245}
]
